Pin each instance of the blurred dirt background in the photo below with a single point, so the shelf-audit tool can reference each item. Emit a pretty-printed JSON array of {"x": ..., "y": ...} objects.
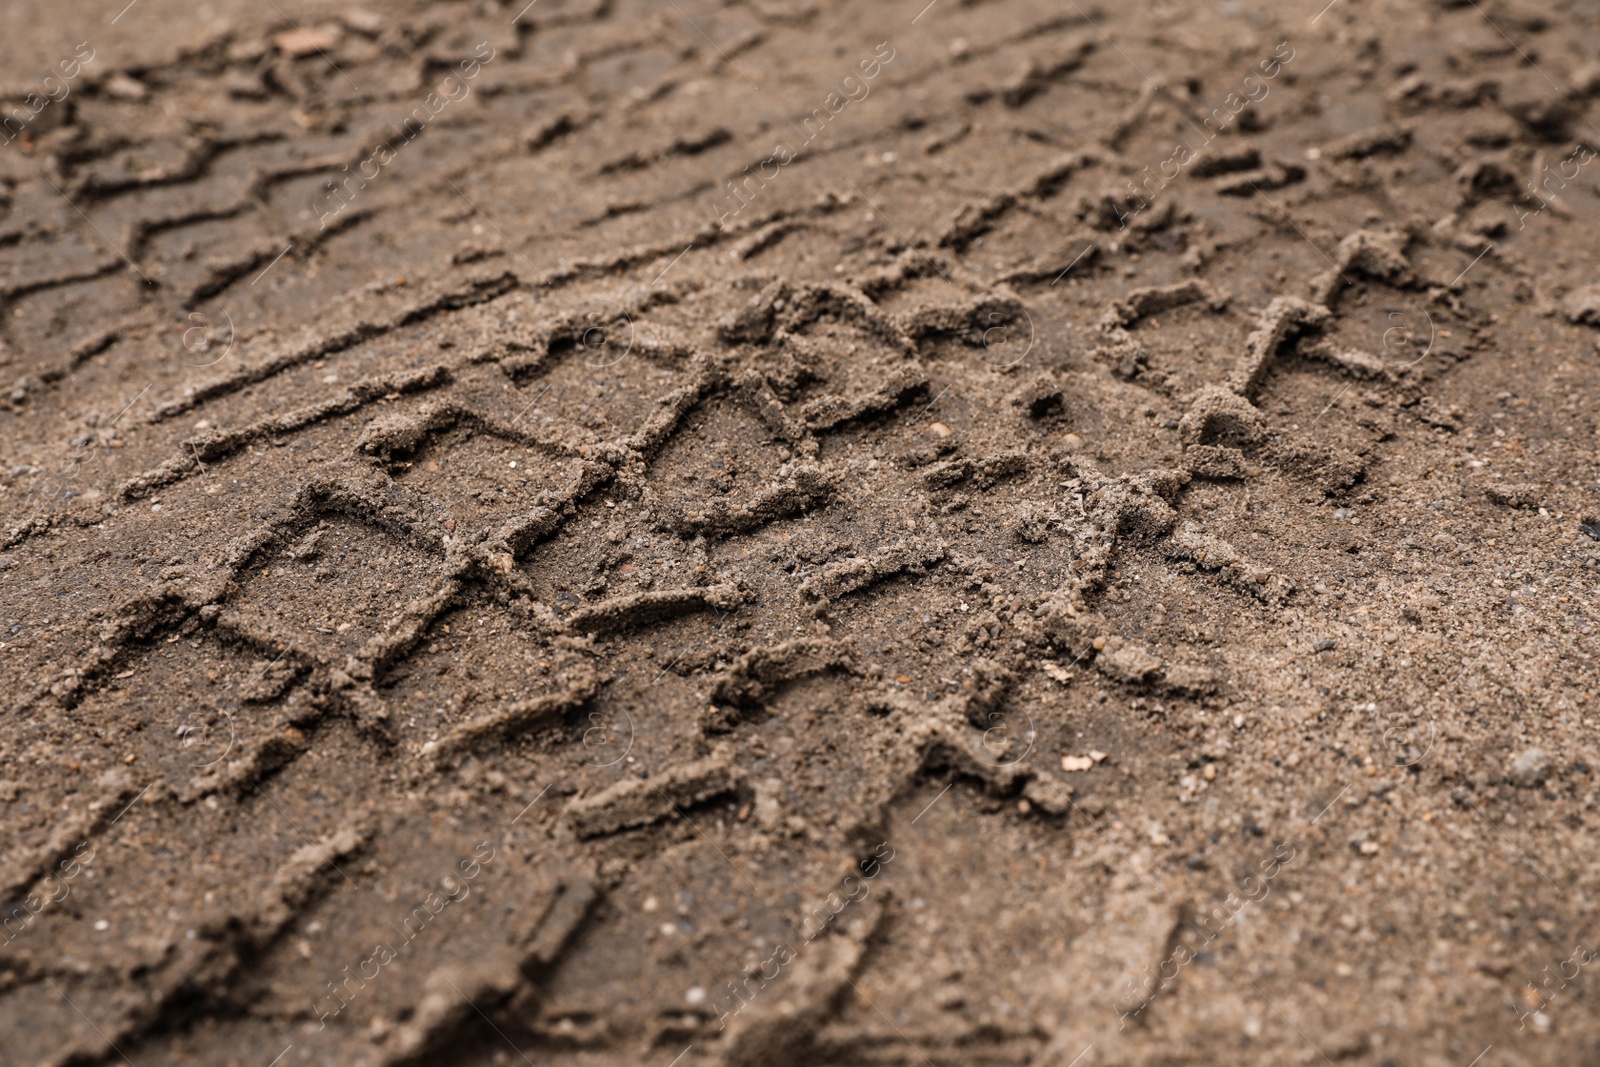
[{"x": 678, "y": 532}]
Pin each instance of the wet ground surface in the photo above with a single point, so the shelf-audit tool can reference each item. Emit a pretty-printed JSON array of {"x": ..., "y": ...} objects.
[{"x": 993, "y": 532}]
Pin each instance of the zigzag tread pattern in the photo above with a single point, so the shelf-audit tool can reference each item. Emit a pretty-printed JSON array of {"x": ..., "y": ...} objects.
[{"x": 559, "y": 557}]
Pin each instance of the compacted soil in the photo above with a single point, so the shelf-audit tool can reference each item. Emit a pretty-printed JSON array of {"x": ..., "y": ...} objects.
[{"x": 682, "y": 532}]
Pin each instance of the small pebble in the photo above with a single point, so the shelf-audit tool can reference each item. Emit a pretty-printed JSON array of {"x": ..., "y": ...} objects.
[
  {"x": 1528, "y": 771},
  {"x": 303, "y": 42},
  {"x": 123, "y": 87}
]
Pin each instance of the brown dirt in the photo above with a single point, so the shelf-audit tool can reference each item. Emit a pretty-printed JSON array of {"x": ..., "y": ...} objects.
[{"x": 998, "y": 532}]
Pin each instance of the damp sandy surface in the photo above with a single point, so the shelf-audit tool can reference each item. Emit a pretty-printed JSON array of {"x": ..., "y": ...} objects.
[{"x": 977, "y": 533}]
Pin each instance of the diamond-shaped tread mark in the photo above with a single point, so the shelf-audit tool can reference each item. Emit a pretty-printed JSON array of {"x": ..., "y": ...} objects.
[
  {"x": 183, "y": 710},
  {"x": 39, "y": 264},
  {"x": 607, "y": 388},
  {"x": 472, "y": 664},
  {"x": 840, "y": 358},
  {"x": 478, "y": 480},
  {"x": 1191, "y": 345},
  {"x": 609, "y": 549},
  {"x": 332, "y": 587},
  {"x": 202, "y": 255},
  {"x": 824, "y": 742},
  {"x": 56, "y": 328},
  {"x": 717, "y": 465},
  {"x": 175, "y": 710}
]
